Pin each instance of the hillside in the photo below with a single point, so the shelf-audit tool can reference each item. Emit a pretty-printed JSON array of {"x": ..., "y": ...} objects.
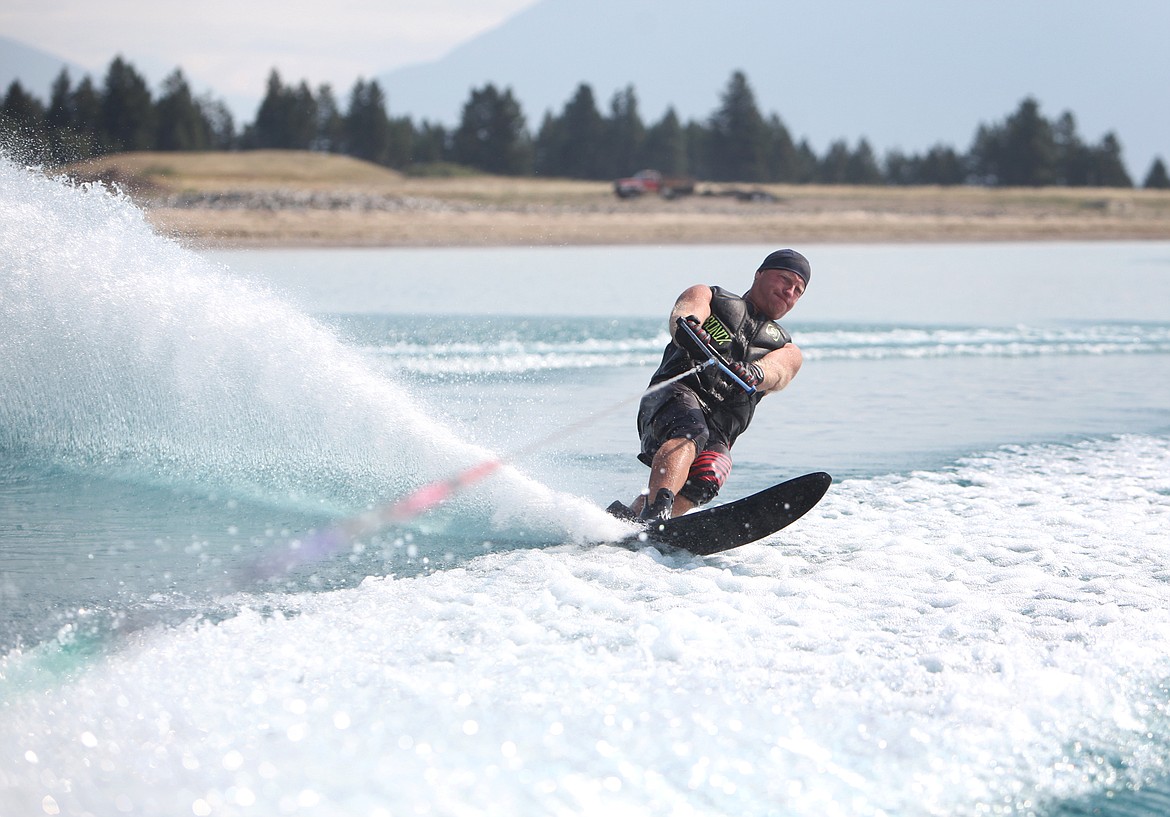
[
  {"x": 33, "y": 68},
  {"x": 295, "y": 198},
  {"x": 160, "y": 173},
  {"x": 904, "y": 74}
]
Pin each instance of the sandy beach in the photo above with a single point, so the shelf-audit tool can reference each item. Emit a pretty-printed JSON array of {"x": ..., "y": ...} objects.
[{"x": 290, "y": 199}]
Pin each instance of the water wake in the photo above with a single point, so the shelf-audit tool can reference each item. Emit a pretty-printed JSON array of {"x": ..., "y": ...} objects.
[{"x": 488, "y": 347}]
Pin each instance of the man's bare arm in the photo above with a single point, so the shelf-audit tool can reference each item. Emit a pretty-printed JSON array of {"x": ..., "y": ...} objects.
[
  {"x": 780, "y": 366},
  {"x": 695, "y": 301}
]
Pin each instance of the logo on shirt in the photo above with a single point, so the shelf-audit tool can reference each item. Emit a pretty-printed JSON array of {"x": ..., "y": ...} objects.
[{"x": 717, "y": 331}]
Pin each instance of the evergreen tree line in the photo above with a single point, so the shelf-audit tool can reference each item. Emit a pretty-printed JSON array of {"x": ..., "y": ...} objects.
[
  {"x": 84, "y": 120},
  {"x": 736, "y": 143}
]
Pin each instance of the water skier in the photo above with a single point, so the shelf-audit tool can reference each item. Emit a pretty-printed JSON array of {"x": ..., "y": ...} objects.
[{"x": 687, "y": 429}]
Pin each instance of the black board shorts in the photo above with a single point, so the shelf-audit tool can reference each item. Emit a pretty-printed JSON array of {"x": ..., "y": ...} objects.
[
  {"x": 669, "y": 414},
  {"x": 673, "y": 413}
]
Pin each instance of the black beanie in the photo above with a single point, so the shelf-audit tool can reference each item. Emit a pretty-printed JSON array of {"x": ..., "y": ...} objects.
[{"x": 789, "y": 260}]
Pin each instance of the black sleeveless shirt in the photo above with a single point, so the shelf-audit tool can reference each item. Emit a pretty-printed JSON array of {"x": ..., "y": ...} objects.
[{"x": 739, "y": 332}]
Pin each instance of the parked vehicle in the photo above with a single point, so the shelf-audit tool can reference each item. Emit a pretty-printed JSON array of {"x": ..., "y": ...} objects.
[{"x": 651, "y": 181}]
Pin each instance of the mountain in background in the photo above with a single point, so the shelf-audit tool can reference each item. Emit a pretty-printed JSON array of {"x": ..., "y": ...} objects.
[
  {"x": 904, "y": 74},
  {"x": 35, "y": 69}
]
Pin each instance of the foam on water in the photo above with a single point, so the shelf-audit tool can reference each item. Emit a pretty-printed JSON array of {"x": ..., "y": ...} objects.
[
  {"x": 129, "y": 355},
  {"x": 879, "y": 343},
  {"x": 987, "y": 639},
  {"x": 485, "y": 347}
]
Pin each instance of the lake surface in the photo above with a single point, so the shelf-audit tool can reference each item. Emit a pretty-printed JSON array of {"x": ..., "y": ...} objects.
[
  {"x": 974, "y": 621},
  {"x": 989, "y": 284},
  {"x": 916, "y": 354}
]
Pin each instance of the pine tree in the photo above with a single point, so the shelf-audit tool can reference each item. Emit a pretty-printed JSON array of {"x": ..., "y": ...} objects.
[
  {"x": 181, "y": 123},
  {"x": 833, "y": 168},
  {"x": 580, "y": 134},
  {"x": 1074, "y": 159},
  {"x": 59, "y": 116},
  {"x": 738, "y": 141},
  {"x": 1023, "y": 151},
  {"x": 268, "y": 129},
  {"x": 665, "y": 145},
  {"x": 1157, "y": 177},
  {"x": 548, "y": 147},
  {"x": 330, "y": 134},
  {"x": 697, "y": 141},
  {"x": 367, "y": 127},
  {"x": 624, "y": 134},
  {"x": 781, "y": 161},
  {"x": 71, "y": 119},
  {"x": 984, "y": 154},
  {"x": 59, "y": 121},
  {"x": 401, "y": 151},
  {"x": 127, "y": 115},
  {"x": 431, "y": 144},
  {"x": 491, "y": 135},
  {"x": 22, "y": 124},
  {"x": 287, "y": 117},
  {"x": 807, "y": 163},
  {"x": 21, "y": 110},
  {"x": 1030, "y": 153},
  {"x": 899, "y": 169},
  {"x": 86, "y": 104},
  {"x": 221, "y": 126},
  {"x": 942, "y": 165},
  {"x": 303, "y": 118},
  {"x": 1108, "y": 168},
  {"x": 861, "y": 166}
]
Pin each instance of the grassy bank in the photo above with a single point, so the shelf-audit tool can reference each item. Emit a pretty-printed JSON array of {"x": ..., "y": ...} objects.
[{"x": 294, "y": 198}]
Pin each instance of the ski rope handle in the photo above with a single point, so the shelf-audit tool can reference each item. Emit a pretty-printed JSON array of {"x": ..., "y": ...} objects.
[{"x": 715, "y": 359}]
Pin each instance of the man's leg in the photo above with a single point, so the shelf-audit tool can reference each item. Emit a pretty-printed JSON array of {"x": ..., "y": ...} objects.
[
  {"x": 671, "y": 466},
  {"x": 675, "y": 416}
]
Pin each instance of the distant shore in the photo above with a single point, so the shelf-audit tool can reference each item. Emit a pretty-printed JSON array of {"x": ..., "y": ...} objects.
[{"x": 291, "y": 199}]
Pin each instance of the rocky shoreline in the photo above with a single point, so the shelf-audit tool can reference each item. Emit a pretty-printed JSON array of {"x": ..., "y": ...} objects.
[
  {"x": 298, "y": 198},
  {"x": 298, "y": 217}
]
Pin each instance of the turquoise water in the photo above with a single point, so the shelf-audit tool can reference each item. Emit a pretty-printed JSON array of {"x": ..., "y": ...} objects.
[{"x": 974, "y": 621}]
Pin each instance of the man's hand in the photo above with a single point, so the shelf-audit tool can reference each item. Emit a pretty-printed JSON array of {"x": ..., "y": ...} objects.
[
  {"x": 720, "y": 387},
  {"x": 750, "y": 373},
  {"x": 699, "y": 350}
]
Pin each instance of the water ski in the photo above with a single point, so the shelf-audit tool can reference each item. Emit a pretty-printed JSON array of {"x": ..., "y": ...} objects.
[{"x": 736, "y": 523}]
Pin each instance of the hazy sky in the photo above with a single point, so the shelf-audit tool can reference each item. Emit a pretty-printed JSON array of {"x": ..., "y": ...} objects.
[{"x": 229, "y": 46}]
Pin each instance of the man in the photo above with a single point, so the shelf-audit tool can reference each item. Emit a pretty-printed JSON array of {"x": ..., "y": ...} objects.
[{"x": 687, "y": 428}]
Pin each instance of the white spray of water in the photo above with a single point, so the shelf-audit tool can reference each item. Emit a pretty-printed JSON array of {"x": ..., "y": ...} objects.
[{"x": 129, "y": 354}]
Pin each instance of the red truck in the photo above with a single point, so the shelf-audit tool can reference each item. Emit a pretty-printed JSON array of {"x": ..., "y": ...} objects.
[{"x": 651, "y": 181}]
